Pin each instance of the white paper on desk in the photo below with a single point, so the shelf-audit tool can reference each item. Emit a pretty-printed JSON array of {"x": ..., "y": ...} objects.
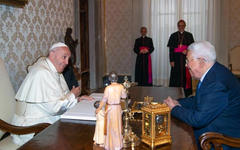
[{"x": 84, "y": 110}]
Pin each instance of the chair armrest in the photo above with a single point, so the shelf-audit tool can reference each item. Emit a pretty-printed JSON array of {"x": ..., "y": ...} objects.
[
  {"x": 19, "y": 130},
  {"x": 216, "y": 139}
]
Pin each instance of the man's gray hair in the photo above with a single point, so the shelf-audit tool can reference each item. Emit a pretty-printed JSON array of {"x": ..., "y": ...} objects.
[{"x": 203, "y": 49}]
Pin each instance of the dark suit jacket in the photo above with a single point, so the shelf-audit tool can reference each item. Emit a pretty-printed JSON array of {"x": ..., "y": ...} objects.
[
  {"x": 216, "y": 105},
  {"x": 70, "y": 77}
]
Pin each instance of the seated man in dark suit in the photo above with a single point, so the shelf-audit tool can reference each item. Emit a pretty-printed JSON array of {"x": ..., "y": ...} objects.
[
  {"x": 216, "y": 105},
  {"x": 69, "y": 77}
]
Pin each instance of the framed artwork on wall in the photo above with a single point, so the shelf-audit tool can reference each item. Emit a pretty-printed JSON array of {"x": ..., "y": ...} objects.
[{"x": 14, "y": 3}]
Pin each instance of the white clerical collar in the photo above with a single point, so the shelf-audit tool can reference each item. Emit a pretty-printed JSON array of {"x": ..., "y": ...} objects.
[
  {"x": 201, "y": 79},
  {"x": 51, "y": 66}
]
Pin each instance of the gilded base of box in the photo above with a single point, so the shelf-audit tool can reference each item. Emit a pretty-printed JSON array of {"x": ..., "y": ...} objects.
[{"x": 157, "y": 141}]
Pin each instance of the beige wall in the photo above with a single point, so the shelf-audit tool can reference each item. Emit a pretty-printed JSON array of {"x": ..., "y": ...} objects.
[
  {"x": 230, "y": 29},
  {"x": 123, "y": 19},
  {"x": 119, "y": 36},
  {"x": 234, "y": 23},
  {"x": 27, "y": 33}
]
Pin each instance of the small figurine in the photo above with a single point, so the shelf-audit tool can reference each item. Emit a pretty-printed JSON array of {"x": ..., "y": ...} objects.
[
  {"x": 99, "y": 128},
  {"x": 113, "y": 115}
]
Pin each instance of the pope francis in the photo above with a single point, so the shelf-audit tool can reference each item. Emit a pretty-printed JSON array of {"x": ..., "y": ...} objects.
[{"x": 44, "y": 94}]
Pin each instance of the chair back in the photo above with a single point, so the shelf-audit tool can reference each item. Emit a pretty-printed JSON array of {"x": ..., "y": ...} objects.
[
  {"x": 7, "y": 96},
  {"x": 214, "y": 140},
  {"x": 234, "y": 62}
]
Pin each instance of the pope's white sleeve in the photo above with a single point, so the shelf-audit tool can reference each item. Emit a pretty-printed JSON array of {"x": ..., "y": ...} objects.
[{"x": 60, "y": 106}]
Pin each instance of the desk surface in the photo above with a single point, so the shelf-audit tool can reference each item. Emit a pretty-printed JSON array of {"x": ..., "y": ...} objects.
[{"x": 78, "y": 135}]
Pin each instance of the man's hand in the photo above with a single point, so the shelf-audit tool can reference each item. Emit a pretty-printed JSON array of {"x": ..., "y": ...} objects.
[
  {"x": 171, "y": 102},
  {"x": 85, "y": 97},
  {"x": 172, "y": 63},
  {"x": 76, "y": 91},
  {"x": 144, "y": 51}
]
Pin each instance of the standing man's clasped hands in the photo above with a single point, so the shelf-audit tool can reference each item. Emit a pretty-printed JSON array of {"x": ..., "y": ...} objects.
[{"x": 144, "y": 51}]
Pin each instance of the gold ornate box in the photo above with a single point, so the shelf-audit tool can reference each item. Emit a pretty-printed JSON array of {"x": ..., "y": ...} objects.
[
  {"x": 156, "y": 124},
  {"x": 136, "y": 111}
]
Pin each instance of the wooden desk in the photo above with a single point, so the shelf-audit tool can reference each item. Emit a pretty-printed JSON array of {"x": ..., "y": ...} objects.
[
  {"x": 78, "y": 135},
  {"x": 137, "y": 93}
]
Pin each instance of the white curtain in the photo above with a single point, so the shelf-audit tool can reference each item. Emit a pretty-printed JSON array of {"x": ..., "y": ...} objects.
[{"x": 201, "y": 19}]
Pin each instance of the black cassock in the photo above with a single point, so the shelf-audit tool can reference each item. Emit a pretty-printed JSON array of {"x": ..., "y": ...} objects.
[
  {"x": 178, "y": 76},
  {"x": 143, "y": 67}
]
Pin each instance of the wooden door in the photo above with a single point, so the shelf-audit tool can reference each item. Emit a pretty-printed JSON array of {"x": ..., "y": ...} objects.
[{"x": 84, "y": 46}]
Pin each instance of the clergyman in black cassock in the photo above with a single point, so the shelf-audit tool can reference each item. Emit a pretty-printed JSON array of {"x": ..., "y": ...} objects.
[
  {"x": 143, "y": 47},
  {"x": 178, "y": 43}
]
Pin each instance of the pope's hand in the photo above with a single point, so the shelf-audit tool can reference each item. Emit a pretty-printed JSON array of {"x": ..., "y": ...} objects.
[
  {"x": 76, "y": 91},
  {"x": 85, "y": 97},
  {"x": 171, "y": 102}
]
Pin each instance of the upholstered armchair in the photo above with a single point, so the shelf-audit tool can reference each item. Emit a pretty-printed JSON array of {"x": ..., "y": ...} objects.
[
  {"x": 234, "y": 62},
  {"x": 7, "y": 109},
  {"x": 209, "y": 139}
]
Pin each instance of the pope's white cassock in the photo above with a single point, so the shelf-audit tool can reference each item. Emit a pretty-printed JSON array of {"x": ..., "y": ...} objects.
[{"x": 42, "y": 98}]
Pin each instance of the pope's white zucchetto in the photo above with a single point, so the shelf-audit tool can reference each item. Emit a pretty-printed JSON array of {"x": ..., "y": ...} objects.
[{"x": 56, "y": 45}]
